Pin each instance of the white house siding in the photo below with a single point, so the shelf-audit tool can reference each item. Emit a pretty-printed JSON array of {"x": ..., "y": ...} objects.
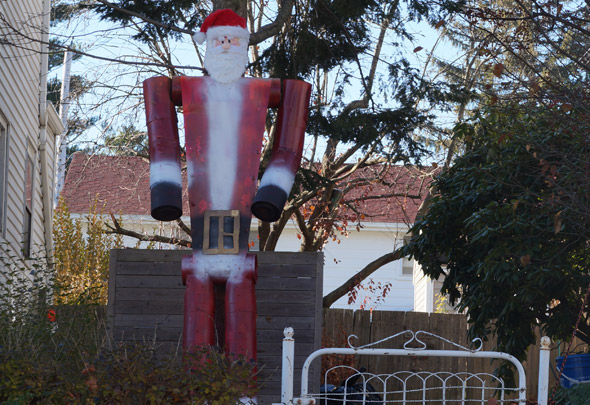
[
  {"x": 423, "y": 301},
  {"x": 20, "y": 68},
  {"x": 427, "y": 296},
  {"x": 343, "y": 260}
]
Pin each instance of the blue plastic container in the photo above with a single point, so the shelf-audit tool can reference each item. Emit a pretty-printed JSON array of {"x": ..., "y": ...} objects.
[{"x": 577, "y": 369}]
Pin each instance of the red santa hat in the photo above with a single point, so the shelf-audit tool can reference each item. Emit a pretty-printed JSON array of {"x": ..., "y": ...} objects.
[{"x": 223, "y": 22}]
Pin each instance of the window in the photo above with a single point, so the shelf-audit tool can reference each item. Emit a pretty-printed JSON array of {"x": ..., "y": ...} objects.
[
  {"x": 407, "y": 264},
  {"x": 29, "y": 179},
  {"x": 3, "y": 163}
]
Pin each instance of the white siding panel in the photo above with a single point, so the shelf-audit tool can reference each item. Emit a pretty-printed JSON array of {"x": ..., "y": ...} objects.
[
  {"x": 19, "y": 101},
  {"x": 344, "y": 259},
  {"x": 420, "y": 290}
]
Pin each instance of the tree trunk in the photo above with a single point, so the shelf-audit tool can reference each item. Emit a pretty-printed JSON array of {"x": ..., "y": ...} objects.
[{"x": 239, "y": 6}]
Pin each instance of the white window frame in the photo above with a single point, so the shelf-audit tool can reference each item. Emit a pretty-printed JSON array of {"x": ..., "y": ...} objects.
[
  {"x": 404, "y": 241},
  {"x": 28, "y": 233}
]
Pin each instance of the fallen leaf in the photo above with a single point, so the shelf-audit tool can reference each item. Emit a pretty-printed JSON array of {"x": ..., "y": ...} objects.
[
  {"x": 92, "y": 384},
  {"x": 566, "y": 107},
  {"x": 88, "y": 370}
]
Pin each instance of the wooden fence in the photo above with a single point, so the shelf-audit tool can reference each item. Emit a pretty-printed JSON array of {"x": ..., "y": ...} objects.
[
  {"x": 339, "y": 324},
  {"x": 146, "y": 304}
]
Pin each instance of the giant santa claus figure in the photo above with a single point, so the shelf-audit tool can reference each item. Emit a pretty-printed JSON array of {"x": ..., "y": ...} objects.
[{"x": 224, "y": 120}]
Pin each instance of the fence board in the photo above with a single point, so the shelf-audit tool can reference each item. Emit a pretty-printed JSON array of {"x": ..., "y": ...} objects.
[
  {"x": 137, "y": 281},
  {"x": 149, "y": 268},
  {"x": 146, "y": 304},
  {"x": 152, "y": 294},
  {"x": 285, "y": 284}
]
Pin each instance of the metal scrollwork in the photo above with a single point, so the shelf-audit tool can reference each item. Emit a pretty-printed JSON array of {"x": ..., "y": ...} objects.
[{"x": 413, "y": 342}]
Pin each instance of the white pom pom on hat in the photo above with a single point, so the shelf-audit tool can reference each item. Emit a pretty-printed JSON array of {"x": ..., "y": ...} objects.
[
  {"x": 200, "y": 37},
  {"x": 222, "y": 19}
]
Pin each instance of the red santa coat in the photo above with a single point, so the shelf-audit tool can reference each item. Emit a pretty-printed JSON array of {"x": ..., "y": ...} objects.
[{"x": 224, "y": 127}]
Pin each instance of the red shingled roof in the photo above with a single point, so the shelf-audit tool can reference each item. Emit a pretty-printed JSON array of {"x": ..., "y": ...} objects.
[{"x": 120, "y": 184}]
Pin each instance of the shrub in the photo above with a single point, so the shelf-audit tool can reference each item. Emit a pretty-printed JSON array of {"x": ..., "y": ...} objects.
[
  {"x": 62, "y": 354},
  {"x": 82, "y": 251},
  {"x": 576, "y": 395}
]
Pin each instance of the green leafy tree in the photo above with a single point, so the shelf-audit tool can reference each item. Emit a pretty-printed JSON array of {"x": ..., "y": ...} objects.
[{"x": 507, "y": 226}]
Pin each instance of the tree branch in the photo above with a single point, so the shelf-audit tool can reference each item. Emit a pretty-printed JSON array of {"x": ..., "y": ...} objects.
[
  {"x": 274, "y": 27},
  {"x": 264, "y": 33},
  {"x": 117, "y": 229},
  {"x": 169, "y": 27},
  {"x": 355, "y": 280},
  {"x": 79, "y": 52},
  {"x": 183, "y": 226}
]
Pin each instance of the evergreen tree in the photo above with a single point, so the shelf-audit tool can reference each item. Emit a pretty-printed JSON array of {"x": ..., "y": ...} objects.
[{"x": 368, "y": 101}]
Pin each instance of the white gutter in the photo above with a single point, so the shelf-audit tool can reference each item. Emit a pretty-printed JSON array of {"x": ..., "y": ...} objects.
[
  {"x": 43, "y": 122},
  {"x": 61, "y": 144}
]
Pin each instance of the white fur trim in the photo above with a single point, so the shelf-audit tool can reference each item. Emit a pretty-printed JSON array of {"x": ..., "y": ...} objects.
[
  {"x": 222, "y": 152},
  {"x": 200, "y": 37},
  {"x": 226, "y": 66},
  {"x": 279, "y": 176},
  {"x": 228, "y": 31},
  {"x": 165, "y": 171}
]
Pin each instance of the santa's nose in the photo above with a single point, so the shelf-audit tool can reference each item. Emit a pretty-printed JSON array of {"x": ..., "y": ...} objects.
[{"x": 225, "y": 44}]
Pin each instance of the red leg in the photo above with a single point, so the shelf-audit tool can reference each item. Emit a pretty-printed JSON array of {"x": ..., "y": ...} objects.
[
  {"x": 240, "y": 311},
  {"x": 199, "y": 307}
]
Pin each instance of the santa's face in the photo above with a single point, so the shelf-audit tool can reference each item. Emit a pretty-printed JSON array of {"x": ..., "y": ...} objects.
[{"x": 226, "y": 57}]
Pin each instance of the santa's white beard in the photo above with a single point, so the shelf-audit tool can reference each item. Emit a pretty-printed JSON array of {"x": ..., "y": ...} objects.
[{"x": 226, "y": 67}]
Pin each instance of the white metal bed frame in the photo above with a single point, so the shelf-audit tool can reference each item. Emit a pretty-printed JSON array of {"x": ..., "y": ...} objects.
[{"x": 458, "y": 381}]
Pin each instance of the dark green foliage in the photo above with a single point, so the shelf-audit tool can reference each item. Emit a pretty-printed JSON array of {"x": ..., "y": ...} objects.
[
  {"x": 577, "y": 395},
  {"x": 320, "y": 36},
  {"x": 78, "y": 86},
  {"x": 510, "y": 219},
  {"x": 64, "y": 10},
  {"x": 129, "y": 141},
  {"x": 164, "y": 12},
  {"x": 328, "y": 35},
  {"x": 365, "y": 127}
]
